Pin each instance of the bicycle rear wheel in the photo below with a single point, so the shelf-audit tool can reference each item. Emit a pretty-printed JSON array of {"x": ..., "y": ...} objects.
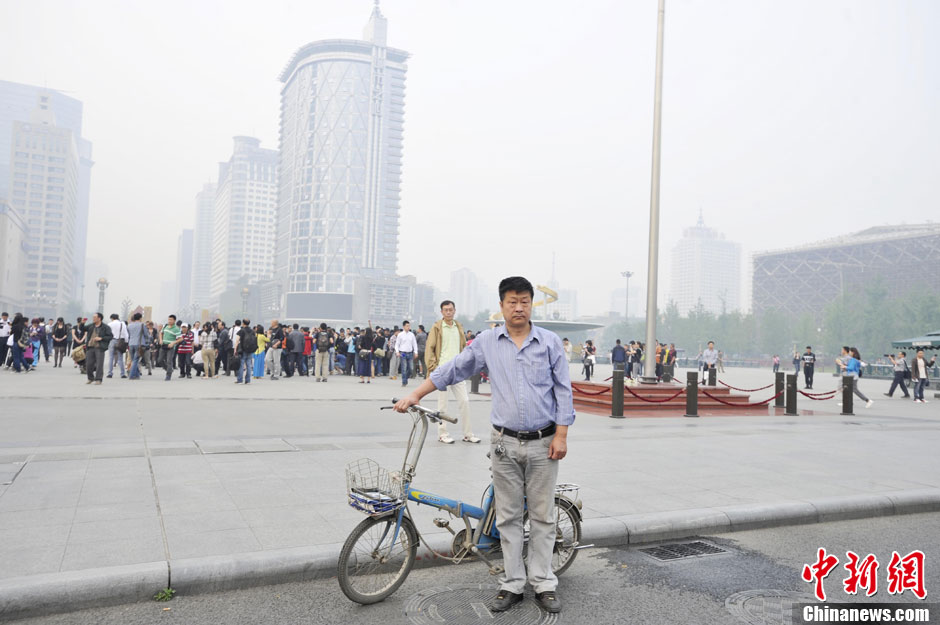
[
  {"x": 567, "y": 535},
  {"x": 371, "y": 567}
]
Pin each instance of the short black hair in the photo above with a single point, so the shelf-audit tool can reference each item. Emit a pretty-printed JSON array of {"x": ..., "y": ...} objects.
[
  {"x": 100, "y": 316},
  {"x": 296, "y": 327},
  {"x": 137, "y": 316},
  {"x": 323, "y": 326},
  {"x": 618, "y": 341},
  {"x": 171, "y": 317},
  {"x": 405, "y": 323},
  {"x": 809, "y": 347},
  {"x": 5, "y": 314},
  {"x": 903, "y": 354},
  {"x": 517, "y": 284},
  {"x": 238, "y": 322},
  {"x": 447, "y": 302},
  {"x": 115, "y": 316},
  {"x": 420, "y": 327}
]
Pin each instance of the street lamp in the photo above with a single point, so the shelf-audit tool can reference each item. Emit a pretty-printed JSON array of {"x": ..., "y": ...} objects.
[
  {"x": 102, "y": 285},
  {"x": 649, "y": 372},
  {"x": 245, "y": 293},
  {"x": 626, "y": 295}
]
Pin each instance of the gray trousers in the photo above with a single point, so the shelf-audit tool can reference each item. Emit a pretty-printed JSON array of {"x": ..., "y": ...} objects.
[
  {"x": 273, "y": 360},
  {"x": 115, "y": 356},
  {"x": 525, "y": 470}
]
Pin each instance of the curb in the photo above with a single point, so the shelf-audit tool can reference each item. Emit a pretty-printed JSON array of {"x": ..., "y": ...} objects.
[{"x": 40, "y": 595}]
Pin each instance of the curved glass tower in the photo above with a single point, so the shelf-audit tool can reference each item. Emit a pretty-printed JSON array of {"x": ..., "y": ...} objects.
[{"x": 342, "y": 115}]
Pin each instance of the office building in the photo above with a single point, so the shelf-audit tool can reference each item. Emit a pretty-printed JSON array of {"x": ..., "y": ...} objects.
[
  {"x": 184, "y": 269},
  {"x": 706, "y": 270},
  {"x": 469, "y": 294},
  {"x": 202, "y": 246},
  {"x": 806, "y": 279},
  {"x": 243, "y": 228},
  {"x": 12, "y": 258},
  {"x": 342, "y": 115}
]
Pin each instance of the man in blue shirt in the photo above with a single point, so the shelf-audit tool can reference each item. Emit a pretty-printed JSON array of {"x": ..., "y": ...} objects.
[
  {"x": 531, "y": 411},
  {"x": 618, "y": 356}
]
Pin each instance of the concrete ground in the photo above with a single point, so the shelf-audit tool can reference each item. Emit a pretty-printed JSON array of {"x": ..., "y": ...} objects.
[{"x": 130, "y": 473}]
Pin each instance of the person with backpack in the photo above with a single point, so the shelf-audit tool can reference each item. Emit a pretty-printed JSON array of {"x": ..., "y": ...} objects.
[
  {"x": 245, "y": 347},
  {"x": 321, "y": 367}
]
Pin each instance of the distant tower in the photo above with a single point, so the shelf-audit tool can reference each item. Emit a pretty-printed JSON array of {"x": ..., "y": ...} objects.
[
  {"x": 706, "y": 268},
  {"x": 342, "y": 116}
]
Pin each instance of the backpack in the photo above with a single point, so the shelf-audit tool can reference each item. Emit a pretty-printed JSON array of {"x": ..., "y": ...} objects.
[
  {"x": 323, "y": 342},
  {"x": 249, "y": 342}
]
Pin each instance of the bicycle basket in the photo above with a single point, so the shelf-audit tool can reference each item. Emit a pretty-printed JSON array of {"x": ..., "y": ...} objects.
[{"x": 372, "y": 489}]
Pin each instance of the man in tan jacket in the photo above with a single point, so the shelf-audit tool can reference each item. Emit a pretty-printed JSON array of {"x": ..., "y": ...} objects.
[{"x": 445, "y": 340}]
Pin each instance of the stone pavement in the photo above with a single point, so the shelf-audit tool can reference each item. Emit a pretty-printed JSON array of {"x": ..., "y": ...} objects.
[{"x": 198, "y": 476}]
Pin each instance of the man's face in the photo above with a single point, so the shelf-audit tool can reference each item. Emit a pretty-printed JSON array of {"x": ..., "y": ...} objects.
[
  {"x": 808, "y": 350},
  {"x": 448, "y": 312},
  {"x": 900, "y": 355},
  {"x": 516, "y": 308},
  {"x": 406, "y": 327},
  {"x": 711, "y": 345},
  {"x": 97, "y": 319},
  {"x": 171, "y": 321},
  {"x": 920, "y": 353}
]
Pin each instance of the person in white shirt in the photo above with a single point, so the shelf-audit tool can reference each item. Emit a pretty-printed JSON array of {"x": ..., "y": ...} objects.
[
  {"x": 6, "y": 327},
  {"x": 406, "y": 346},
  {"x": 118, "y": 331}
]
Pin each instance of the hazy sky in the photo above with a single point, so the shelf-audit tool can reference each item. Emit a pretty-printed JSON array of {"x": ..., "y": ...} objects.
[{"x": 528, "y": 125}]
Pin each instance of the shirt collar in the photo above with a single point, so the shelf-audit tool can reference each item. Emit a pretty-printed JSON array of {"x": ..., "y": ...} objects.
[{"x": 534, "y": 333}]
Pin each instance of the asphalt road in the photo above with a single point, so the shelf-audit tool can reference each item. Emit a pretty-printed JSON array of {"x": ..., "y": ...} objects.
[{"x": 603, "y": 586}]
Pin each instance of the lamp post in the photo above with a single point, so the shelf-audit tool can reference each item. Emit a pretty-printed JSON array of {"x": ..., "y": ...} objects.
[
  {"x": 626, "y": 295},
  {"x": 102, "y": 285},
  {"x": 649, "y": 372},
  {"x": 245, "y": 293}
]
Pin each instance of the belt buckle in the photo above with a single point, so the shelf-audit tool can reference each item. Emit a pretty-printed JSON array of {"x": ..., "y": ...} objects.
[{"x": 523, "y": 435}]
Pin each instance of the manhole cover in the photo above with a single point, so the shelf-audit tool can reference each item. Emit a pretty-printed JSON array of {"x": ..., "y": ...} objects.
[
  {"x": 677, "y": 551},
  {"x": 766, "y": 607},
  {"x": 468, "y": 605}
]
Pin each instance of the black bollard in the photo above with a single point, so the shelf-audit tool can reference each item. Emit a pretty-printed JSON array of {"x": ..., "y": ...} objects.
[
  {"x": 778, "y": 388},
  {"x": 712, "y": 376},
  {"x": 691, "y": 394},
  {"x": 848, "y": 385},
  {"x": 791, "y": 394},
  {"x": 616, "y": 395},
  {"x": 475, "y": 384},
  {"x": 669, "y": 372}
]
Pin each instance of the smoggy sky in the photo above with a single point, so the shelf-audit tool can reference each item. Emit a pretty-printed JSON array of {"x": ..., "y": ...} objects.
[{"x": 528, "y": 125}]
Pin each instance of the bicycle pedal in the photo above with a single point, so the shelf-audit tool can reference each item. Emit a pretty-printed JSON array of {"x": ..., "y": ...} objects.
[{"x": 442, "y": 523}]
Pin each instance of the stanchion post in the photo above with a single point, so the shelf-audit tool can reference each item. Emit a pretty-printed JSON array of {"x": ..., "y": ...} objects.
[
  {"x": 475, "y": 384},
  {"x": 848, "y": 385},
  {"x": 779, "y": 381},
  {"x": 616, "y": 395},
  {"x": 712, "y": 376},
  {"x": 691, "y": 394},
  {"x": 791, "y": 394}
]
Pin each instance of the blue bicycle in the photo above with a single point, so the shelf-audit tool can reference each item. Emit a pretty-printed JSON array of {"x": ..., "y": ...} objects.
[{"x": 380, "y": 552}]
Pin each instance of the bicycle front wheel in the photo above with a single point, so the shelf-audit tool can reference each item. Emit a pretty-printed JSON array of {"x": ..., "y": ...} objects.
[{"x": 373, "y": 564}]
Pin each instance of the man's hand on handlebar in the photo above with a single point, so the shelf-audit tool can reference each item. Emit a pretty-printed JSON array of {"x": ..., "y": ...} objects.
[{"x": 402, "y": 405}]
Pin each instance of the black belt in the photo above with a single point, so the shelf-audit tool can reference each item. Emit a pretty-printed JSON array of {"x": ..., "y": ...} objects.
[{"x": 528, "y": 436}]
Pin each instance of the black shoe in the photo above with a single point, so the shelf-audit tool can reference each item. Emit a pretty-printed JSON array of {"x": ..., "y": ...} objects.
[
  {"x": 549, "y": 601},
  {"x": 505, "y": 600},
  {"x": 886, "y": 395},
  {"x": 109, "y": 376}
]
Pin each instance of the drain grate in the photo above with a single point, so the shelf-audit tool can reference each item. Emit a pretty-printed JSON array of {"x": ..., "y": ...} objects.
[{"x": 678, "y": 551}]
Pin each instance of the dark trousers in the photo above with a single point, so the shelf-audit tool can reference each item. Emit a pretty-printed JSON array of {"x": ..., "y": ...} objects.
[
  {"x": 350, "y": 362},
  {"x": 808, "y": 376},
  {"x": 295, "y": 364},
  {"x": 898, "y": 381},
  {"x": 94, "y": 364},
  {"x": 4, "y": 349},
  {"x": 185, "y": 364},
  {"x": 169, "y": 361}
]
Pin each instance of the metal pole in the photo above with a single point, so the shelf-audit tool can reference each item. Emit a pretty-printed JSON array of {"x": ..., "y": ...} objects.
[
  {"x": 649, "y": 370},
  {"x": 616, "y": 395}
]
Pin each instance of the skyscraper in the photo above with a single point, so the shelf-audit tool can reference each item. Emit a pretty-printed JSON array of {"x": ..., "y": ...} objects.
[
  {"x": 202, "y": 245},
  {"x": 184, "y": 269},
  {"x": 706, "y": 268},
  {"x": 342, "y": 115},
  {"x": 17, "y": 104},
  {"x": 243, "y": 228}
]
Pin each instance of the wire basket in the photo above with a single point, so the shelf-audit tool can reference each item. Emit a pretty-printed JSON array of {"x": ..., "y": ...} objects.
[{"x": 372, "y": 489}]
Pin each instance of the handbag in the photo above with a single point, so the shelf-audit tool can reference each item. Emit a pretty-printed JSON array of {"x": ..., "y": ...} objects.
[
  {"x": 78, "y": 354},
  {"x": 121, "y": 345},
  {"x": 380, "y": 353},
  {"x": 364, "y": 353}
]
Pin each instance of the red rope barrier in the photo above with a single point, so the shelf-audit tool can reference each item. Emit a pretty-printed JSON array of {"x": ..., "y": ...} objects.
[
  {"x": 655, "y": 401},
  {"x": 583, "y": 392},
  {"x": 820, "y": 394},
  {"x": 817, "y": 398},
  {"x": 749, "y": 405},
  {"x": 745, "y": 390}
]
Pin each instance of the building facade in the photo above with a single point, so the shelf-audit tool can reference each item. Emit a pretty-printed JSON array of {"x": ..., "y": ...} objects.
[
  {"x": 469, "y": 293},
  {"x": 342, "y": 116},
  {"x": 184, "y": 269},
  {"x": 12, "y": 258},
  {"x": 706, "y": 270},
  {"x": 202, "y": 246},
  {"x": 244, "y": 223},
  {"x": 805, "y": 280}
]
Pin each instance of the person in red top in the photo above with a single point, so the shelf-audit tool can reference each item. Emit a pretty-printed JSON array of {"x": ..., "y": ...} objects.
[
  {"x": 308, "y": 352},
  {"x": 184, "y": 351}
]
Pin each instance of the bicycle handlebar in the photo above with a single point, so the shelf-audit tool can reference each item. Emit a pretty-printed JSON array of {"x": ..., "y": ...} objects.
[{"x": 433, "y": 414}]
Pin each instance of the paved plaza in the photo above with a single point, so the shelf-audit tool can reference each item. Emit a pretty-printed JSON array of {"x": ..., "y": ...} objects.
[{"x": 129, "y": 473}]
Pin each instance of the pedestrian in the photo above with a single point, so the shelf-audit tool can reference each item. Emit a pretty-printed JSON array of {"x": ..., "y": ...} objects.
[
  {"x": 59, "y": 337},
  {"x": 637, "y": 360},
  {"x": 364, "y": 356},
  {"x": 709, "y": 361},
  {"x": 406, "y": 346},
  {"x": 168, "y": 343},
  {"x": 273, "y": 358},
  {"x": 6, "y": 327},
  {"x": 721, "y": 361},
  {"x": 446, "y": 341},
  {"x": 809, "y": 367},
  {"x": 151, "y": 346},
  {"x": 184, "y": 352},
  {"x": 78, "y": 340},
  {"x": 421, "y": 338},
  {"x": 378, "y": 353},
  {"x": 263, "y": 341},
  {"x": 19, "y": 337},
  {"x": 852, "y": 366},
  {"x": 37, "y": 332},
  {"x": 776, "y": 362},
  {"x": 246, "y": 344},
  {"x": 567, "y": 345},
  {"x": 308, "y": 352},
  {"x": 224, "y": 347},
  {"x": 118, "y": 345},
  {"x": 47, "y": 345},
  {"x": 618, "y": 357},
  {"x": 351, "y": 353},
  {"x": 796, "y": 363},
  {"x": 323, "y": 343},
  {"x": 138, "y": 343},
  {"x": 394, "y": 359},
  {"x": 588, "y": 358},
  {"x": 99, "y": 338},
  {"x": 295, "y": 351},
  {"x": 902, "y": 372},
  {"x": 531, "y": 413},
  {"x": 920, "y": 374},
  {"x": 199, "y": 363},
  {"x": 209, "y": 338}
]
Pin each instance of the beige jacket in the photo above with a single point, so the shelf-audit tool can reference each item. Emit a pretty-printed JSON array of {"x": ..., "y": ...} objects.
[{"x": 432, "y": 351}]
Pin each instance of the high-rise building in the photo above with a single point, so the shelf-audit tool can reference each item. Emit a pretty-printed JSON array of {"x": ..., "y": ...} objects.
[
  {"x": 202, "y": 245},
  {"x": 342, "y": 115},
  {"x": 706, "y": 269},
  {"x": 245, "y": 205},
  {"x": 184, "y": 269},
  {"x": 468, "y": 292},
  {"x": 44, "y": 188},
  {"x": 12, "y": 258},
  {"x": 17, "y": 103}
]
